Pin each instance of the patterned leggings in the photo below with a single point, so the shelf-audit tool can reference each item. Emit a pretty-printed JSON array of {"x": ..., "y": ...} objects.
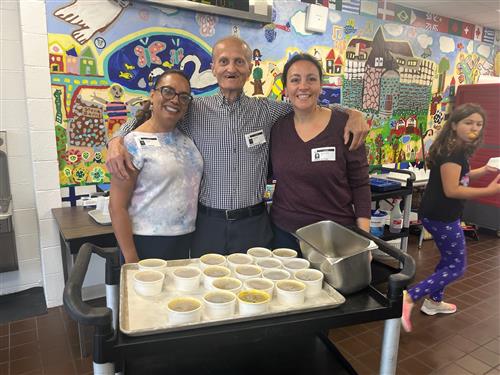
[{"x": 450, "y": 241}]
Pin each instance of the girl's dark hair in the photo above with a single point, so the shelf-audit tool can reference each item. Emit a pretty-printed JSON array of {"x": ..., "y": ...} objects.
[
  {"x": 301, "y": 57},
  {"x": 144, "y": 114},
  {"x": 446, "y": 143}
]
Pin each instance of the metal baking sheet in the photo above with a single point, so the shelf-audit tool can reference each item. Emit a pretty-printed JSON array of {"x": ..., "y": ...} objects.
[{"x": 141, "y": 316}]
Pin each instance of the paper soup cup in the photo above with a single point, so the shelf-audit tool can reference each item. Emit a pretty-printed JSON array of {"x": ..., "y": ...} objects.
[
  {"x": 284, "y": 253},
  {"x": 153, "y": 264},
  {"x": 148, "y": 283},
  {"x": 238, "y": 259},
  {"x": 259, "y": 253},
  {"x": 229, "y": 284},
  {"x": 247, "y": 272},
  {"x": 212, "y": 259},
  {"x": 264, "y": 285},
  {"x": 251, "y": 302},
  {"x": 295, "y": 264},
  {"x": 275, "y": 274},
  {"x": 184, "y": 310},
  {"x": 211, "y": 273},
  {"x": 186, "y": 279},
  {"x": 313, "y": 280},
  {"x": 290, "y": 292},
  {"x": 219, "y": 304},
  {"x": 267, "y": 263}
]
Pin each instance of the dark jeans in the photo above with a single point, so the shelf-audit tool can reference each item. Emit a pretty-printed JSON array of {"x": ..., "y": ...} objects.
[
  {"x": 163, "y": 247},
  {"x": 218, "y": 235}
]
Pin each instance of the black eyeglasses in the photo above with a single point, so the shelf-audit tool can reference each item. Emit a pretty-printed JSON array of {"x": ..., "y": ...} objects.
[{"x": 169, "y": 93}]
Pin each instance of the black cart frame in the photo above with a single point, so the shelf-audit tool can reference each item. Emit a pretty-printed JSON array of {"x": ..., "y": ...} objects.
[{"x": 114, "y": 351}]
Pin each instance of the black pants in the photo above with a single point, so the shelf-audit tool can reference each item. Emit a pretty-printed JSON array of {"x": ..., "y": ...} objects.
[
  {"x": 163, "y": 247},
  {"x": 218, "y": 235}
]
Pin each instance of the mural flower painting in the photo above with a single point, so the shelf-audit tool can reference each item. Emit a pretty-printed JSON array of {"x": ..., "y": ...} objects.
[
  {"x": 97, "y": 174},
  {"x": 80, "y": 175},
  {"x": 98, "y": 157},
  {"x": 73, "y": 156}
]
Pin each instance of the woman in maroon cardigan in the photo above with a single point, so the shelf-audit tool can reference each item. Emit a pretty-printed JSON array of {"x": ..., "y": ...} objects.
[{"x": 318, "y": 178}]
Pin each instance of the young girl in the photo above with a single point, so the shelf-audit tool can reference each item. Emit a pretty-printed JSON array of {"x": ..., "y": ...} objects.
[
  {"x": 154, "y": 211},
  {"x": 443, "y": 203}
]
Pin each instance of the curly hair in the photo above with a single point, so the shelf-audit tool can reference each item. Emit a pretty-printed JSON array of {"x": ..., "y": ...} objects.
[{"x": 446, "y": 142}]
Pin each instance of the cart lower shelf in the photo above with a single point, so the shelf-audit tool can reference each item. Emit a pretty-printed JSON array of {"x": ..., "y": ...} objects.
[{"x": 301, "y": 355}]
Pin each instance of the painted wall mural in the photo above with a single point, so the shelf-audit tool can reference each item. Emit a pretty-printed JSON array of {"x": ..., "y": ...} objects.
[{"x": 400, "y": 67}]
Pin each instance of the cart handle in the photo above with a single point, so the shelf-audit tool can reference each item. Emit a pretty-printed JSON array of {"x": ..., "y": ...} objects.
[
  {"x": 398, "y": 281},
  {"x": 72, "y": 297}
]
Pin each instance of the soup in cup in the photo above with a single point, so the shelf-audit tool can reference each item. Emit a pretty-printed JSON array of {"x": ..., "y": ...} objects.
[
  {"x": 153, "y": 264},
  {"x": 248, "y": 271},
  {"x": 186, "y": 279},
  {"x": 211, "y": 273},
  {"x": 275, "y": 274},
  {"x": 229, "y": 284},
  {"x": 313, "y": 280},
  {"x": 295, "y": 264},
  {"x": 290, "y": 292},
  {"x": 259, "y": 253},
  {"x": 212, "y": 259},
  {"x": 259, "y": 284},
  {"x": 184, "y": 310},
  {"x": 266, "y": 263},
  {"x": 238, "y": 259},
  {"x": 284, "y": 253},
  {"x": 251, "y": 302},
  {"x": 219, "y": 304},
  {"x": 148, "y": 283}
]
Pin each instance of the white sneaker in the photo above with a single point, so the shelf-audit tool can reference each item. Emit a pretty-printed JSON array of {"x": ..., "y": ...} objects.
[{"x": 432, "y": 308}]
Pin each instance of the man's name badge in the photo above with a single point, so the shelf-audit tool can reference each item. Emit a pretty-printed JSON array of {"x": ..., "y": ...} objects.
[
  {"x": 255, "y": 138},
  {"x": 323, "y": 154},
  {"x": 148, "y": 141}
]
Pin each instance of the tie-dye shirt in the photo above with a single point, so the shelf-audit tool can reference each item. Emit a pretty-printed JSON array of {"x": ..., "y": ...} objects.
[{"x": 165, "y": 198}]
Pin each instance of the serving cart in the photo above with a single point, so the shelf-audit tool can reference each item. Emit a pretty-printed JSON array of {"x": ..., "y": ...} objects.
[{"x": 293, "y": 343}]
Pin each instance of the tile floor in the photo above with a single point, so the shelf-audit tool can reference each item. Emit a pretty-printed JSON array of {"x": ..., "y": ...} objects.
[{"x": 464, "y": 343}]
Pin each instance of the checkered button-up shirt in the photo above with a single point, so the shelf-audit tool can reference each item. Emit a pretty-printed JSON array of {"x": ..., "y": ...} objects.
[{"x": 234, "y": 175}]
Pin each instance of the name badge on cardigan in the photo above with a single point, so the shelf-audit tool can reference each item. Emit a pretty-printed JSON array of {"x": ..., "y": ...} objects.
[
  {"x": 148, "y": 142},
  {"x": 255, "y": 138},
  {"x": 323, "y": 154}
]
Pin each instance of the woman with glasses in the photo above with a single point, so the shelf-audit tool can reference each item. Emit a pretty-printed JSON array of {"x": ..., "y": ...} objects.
[{"x": 154, "y": 211}]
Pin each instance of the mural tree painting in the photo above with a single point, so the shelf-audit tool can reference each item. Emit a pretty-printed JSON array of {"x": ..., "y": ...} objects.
[
  {"x": 444, "y": 65},
  {"x": 395, "y": 147},
  {"x": 379, "y": 142},
  {"x": 257, "y": 81}
]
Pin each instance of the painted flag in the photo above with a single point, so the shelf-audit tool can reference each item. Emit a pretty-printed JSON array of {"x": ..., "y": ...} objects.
[
  {"x": 403, "y": 14},
  {"x": 369, "y": 8},
  {"x": 468, "y": 30},
  {"x": 478, "y": 33},
  {"x": 489, "y": 35},
  {"x": 351, "y": 6},
  {"x": 385, "y": 10},
  {"x": 417, "y": 18},
  {"x": 335, "y": 4},
  {"x": 455, "y": 27}
]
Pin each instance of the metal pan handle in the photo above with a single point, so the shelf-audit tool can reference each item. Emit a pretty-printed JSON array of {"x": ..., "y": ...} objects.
[{"x": 398, "y": 281}]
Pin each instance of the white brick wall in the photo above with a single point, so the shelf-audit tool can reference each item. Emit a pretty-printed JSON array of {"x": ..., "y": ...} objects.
[{"x": 26, "y": 114}]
